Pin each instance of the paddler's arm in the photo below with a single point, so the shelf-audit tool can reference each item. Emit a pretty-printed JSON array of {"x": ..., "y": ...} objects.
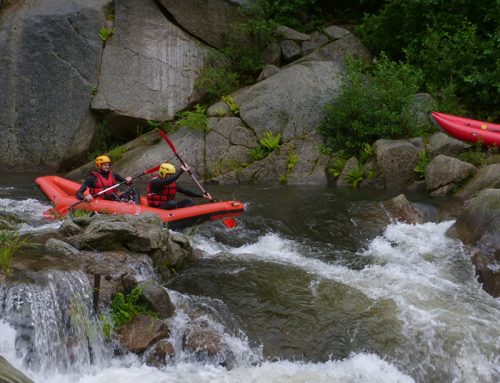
[
  {"x": 191, "y": 193},
  {"x": 88, "y": 182}
]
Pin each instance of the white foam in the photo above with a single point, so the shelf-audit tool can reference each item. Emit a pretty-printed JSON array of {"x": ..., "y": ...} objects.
[{"x": 357, "y": 368}]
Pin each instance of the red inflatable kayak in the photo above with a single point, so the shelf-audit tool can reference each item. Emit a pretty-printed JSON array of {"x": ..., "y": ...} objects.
[
  {"x": 469, "y": 130},
  {"x": 62, "y": 193}
]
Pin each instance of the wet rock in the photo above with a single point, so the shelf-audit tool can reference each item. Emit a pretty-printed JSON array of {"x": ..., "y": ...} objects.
[
  {"x": 478, "y": 225},
  {"x": 60, "y": 247},
  {"x": 161, "y": 354},
  {"x": 142, "y": 332},
  {"x": 400, "y": 209},
  {"x": 9, "y": 374},
  {"x": 157, "y": 298},
  {"x": 202, "y": 341}
]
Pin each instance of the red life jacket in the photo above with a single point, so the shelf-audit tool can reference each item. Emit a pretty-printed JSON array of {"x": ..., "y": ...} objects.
[
  {"x": 167, "y": 194},
  {"x": 102, "y": 183}
]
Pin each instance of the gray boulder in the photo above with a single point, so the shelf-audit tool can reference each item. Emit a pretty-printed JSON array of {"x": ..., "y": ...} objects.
[
  {"x": 148, "y": 68},
  {"x": 210, "y": 21},
  {"x": 478, "y": 225},
  {"x": 446, "y": 171},
  {"x": 50, "y": 59},
  {"x": 440, "y": 143},
  {"x": 396, "y": 160},
  {"x": 486, "y": 177}
]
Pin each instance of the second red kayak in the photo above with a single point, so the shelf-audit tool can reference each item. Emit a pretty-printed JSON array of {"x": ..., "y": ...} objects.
[{"x": 467, "y": 129}]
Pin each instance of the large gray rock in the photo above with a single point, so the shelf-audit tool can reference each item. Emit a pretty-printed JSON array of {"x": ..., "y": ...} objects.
[
  {"x": 486, "y": 177},
  {"x": 479, "y": 225},
  {"x": 50, "y": 59},
  {"x": 444, "y": 170},
  {"x": 396, "y": 160},
  {"x": 291, "y": 101},
  {"x": 149, "y": 65},
  {"x": 210, "y": 21},
  {"x": 440, "y": 143}
]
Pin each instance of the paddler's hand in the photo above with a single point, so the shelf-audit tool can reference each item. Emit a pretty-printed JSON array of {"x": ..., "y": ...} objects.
[
  {"x": 88, "y": 198},
  {"x": 185, "y": 167},
  {"x": 207, "y": 196},
  {"x": 128, "y": 180}
]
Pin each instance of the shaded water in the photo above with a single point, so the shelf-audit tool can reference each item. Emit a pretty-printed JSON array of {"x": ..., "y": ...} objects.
[{"x": 309, "y": 288}]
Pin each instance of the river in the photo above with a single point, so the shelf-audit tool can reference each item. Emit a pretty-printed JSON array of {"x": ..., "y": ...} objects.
[{"x": 307, "y": 288}]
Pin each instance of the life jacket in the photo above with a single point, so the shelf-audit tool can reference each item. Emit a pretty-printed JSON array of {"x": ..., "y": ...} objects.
[
  {"x": 102, "y": 183},
  {"x": 167, "y": 194}
]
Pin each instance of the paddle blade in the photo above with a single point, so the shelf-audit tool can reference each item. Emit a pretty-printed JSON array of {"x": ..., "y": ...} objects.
[
  {"x": 165, "y": 137},
  {"x": 230, "y": 223},
  {"x": 55, "y": 213}
]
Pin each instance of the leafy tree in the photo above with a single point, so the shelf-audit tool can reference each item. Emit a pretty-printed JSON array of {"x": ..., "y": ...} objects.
[{"x": 371, "y": 105}]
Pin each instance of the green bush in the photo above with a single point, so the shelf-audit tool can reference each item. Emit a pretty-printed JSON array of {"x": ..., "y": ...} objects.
[
  {"x": 196, "y": 119},
  {"x": 10, "y": 243},
  {"x": 267, "y": 144},
  {"x": 451, "y": 41},
  {"x": 371, "y": 105},
  {"x": 216, "y": 82},
  {"x": 127, "y": 307}
]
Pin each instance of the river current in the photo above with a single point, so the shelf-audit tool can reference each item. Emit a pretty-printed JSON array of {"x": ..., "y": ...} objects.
[{"x": 307, "y": 288}]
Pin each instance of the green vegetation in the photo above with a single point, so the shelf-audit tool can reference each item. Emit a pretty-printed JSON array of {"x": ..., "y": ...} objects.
[
  {"x": 267, "y": 144},
  {"x": 232, "y": 104},
  {"x": 127, "y": 307},
  {"x": 356, "y": 175},
  {"x": 423, "y": 160},
  {"x": 337, "y": 166},
  {"x": 371, "y": 106},
  {"x": 478, "y": 155},
  {"x": 105, "y": 33},
  {"x": 196, "y": 119},
  {"x": 451, "y": 42},
  {"x": 217, "y": 80},
  {"x": 241, "y": 60},
  {"x": 10, "y": 243},
  {"x": 101, "y": 141},
  {"x": 117, "y": 152}
]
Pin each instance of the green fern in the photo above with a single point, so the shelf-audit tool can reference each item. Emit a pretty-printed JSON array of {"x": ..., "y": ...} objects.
[{"x": 355, "y": 176}]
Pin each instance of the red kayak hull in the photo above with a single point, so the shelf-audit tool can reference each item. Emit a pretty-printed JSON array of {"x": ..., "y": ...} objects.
[
  {"x": 468, "y": 130},
  {"x": 62, "y": 193}
]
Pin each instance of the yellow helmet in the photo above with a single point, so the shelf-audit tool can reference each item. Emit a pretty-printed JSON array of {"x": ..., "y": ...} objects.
[
  {"x": 166, "y": 169},
  {"x": 101, "y": 160}
]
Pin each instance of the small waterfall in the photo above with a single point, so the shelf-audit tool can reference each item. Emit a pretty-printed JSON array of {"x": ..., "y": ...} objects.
[{"x": 52, "y": 314}]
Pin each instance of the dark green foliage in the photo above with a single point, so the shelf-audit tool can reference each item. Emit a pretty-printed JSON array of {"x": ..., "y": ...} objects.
[
  {"x": 454, "y": 41},
  {"x": 101, "y": 141},
  {"x": 125, "y": 308},
  {"x": 217, "y": 82},
  {"x": 371, "y": 106},
  {"x": 302, "y": 15}
]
